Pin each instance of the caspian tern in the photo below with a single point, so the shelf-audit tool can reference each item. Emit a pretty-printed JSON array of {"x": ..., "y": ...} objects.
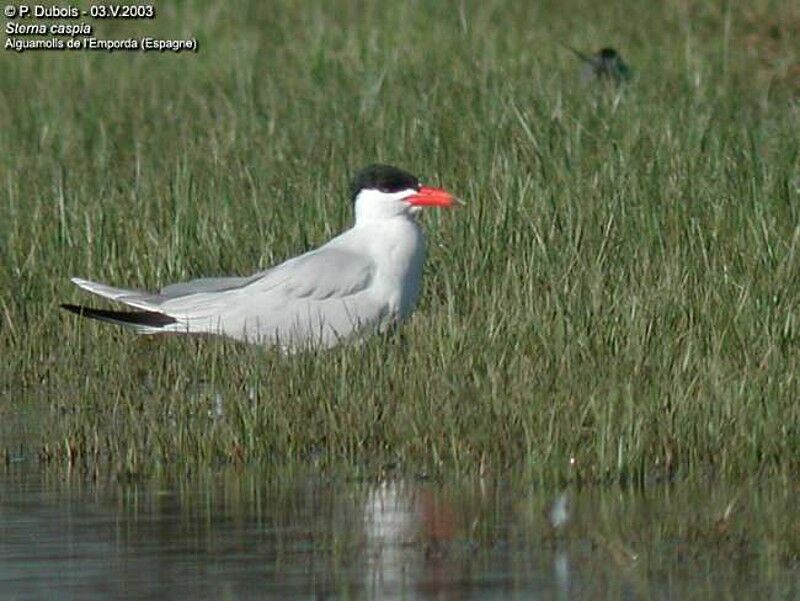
[{"x": 360, "y": 282}]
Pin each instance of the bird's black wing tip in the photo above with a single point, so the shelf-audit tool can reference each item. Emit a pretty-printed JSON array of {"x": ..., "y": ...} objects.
[
  {"x": 148, "y": 319},
  {"x": 77, "y": 309}
]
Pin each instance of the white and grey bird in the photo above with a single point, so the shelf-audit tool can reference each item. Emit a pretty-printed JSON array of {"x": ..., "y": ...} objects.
[{"x": 360, "y": 282}]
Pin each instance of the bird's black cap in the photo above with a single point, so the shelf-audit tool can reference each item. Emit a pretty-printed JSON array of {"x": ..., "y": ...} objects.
[
  {"x": 384, "y": 178},
  {"x": 608, "y": 54}
]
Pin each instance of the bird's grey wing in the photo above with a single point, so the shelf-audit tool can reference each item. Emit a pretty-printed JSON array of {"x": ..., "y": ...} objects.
[
  {"x": 320, "y": 297},
  {"x": 326, "y": 297},
  {"x": 322, "y": 274},
  {"x": 205, "y": 285},
  {"x": 328, "y": 273},
  {"x": 152, "y": 301}
]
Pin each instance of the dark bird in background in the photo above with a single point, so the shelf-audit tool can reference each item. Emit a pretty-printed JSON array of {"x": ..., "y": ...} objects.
[{"x": 605, "y": 65}]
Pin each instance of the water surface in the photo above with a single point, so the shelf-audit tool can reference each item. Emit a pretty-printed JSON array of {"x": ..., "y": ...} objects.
[{"x": 241, "y": 534}]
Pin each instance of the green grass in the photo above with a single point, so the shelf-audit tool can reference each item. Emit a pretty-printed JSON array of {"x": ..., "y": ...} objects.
[{"x": 619, "y": 299}]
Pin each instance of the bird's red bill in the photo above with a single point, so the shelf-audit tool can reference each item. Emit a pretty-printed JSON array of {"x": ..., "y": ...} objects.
[{"x": 432, "y": 197}]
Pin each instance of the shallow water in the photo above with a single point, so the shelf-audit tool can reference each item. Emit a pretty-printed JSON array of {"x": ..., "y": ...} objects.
[{"x": 239, "y": 534}]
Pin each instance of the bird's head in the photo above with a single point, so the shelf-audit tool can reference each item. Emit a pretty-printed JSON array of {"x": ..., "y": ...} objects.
[
  {"x": 382, "y": 191},
  {"x": 609, "y": 63},
  {"x": 608, "y": 54}
]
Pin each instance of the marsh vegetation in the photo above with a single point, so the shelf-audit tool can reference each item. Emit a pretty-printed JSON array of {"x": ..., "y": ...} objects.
[{"x": 618, "y": 300}]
